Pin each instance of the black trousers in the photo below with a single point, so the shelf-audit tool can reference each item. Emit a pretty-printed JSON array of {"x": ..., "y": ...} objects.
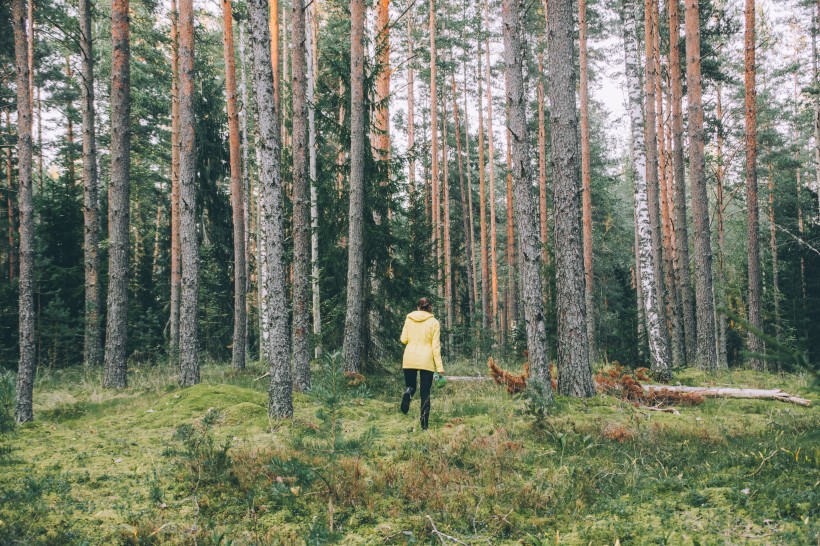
[{"x": 426, "y": 385}]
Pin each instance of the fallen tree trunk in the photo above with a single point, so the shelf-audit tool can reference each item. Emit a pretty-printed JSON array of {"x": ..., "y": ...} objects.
[{"x": 731, "y": 392}]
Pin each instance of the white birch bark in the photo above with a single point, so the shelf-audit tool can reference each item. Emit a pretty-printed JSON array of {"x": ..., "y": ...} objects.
[{"x": 646, "y": 272}]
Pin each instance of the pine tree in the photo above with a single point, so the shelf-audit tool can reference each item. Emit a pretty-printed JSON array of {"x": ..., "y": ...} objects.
[
  {"x": 237, "y": 195},
  {"x": 352, "y": 348},
  {"x": 705, "y": 309},
  {"x": 116, "y": 335},
  {"x": 525, "y": 213},
  {"x": 752, "y": 210},
  {"x": 23, "y": 407},
  {"x": 92, "y": 352},
  {"x": 574, "y": 374},
  {"x": 301, "y": 205},
  {"x": 589, "y": 293},
  {"x": 176, "y": 251},
  {"x": 271, "y": 222}
]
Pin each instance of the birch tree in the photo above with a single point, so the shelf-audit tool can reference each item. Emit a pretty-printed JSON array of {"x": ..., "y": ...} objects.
[{"x": 646, "y": 270}]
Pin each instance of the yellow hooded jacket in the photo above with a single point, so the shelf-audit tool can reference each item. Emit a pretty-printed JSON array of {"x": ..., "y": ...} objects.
[{"x": 422, "y": 335}]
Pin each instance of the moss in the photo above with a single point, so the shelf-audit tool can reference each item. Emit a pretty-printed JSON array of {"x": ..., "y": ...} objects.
[{"x": 99, "y": 465}]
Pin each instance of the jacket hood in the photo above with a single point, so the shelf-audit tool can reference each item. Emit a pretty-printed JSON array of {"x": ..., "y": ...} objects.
[{"x": 419, "y": 316}]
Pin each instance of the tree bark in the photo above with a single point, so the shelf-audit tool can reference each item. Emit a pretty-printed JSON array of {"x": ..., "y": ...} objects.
[
  {"x": 352, "y": 347},
  {"x": 816, "y": 80},
  {"x": 646, "y": 276},
  {"x": 116, "y": 336},
  {"x": 411, "y": 109},
  {"x": 491, "y": 161},
  {"x": 471, "y": 220},
  {"x": 246, "y": 181},
  {"x": 682, "y": 271},
  {"x": 730, "y": 392},
  {"x": 705, "y": 308},
  {"x": 752, "y": 208},
  {"x": 92, "y": 344},
  {"x": 526, "y": 212},
  {"x": 23, "y": 407},
  {"x": 486, "y": 310},
  {"x": 662, "y": 365},
  {"x": 10, "y": 191},
  {"x": 237, "y": 195},
  {"x": 574, "y": 374},
  {"x": 280, "y": 395},
  {"x": 312, "y": 73},
  {"x": 773, "y": 250},
  {"x": 465, "y": 217},
  {"x": 301, "y": 205},
  {"x": 720, "y": 208},
  {"x": 585, "y": 180},
  {"x": 542, "y": 163},
  {"x": 446, "y": 240},
  {"x": 511, "y": 293},
  {"x": 176, "y": 250},
  {"x": 189, "y": 244},
  {"x": 435, "y": 197},
  {"x": 673, "y": 310}
]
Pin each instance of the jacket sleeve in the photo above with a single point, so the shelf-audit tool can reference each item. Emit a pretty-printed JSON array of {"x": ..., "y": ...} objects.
[
  {"x": 404, "y": 338},
  {"x": 437, "y": 348}
]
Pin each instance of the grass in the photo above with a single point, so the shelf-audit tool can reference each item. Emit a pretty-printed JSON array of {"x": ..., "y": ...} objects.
[{"x": 108, "y": 467}]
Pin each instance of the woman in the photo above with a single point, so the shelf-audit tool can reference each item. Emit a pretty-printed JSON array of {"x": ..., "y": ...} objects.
[{"x": 422, "y": 356}]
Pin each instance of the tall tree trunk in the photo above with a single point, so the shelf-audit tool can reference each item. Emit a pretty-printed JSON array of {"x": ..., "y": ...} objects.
[
  {"x": 23, "y": 407},
  {"x": 382, "y": 111},
  {"x": 661, "y": 365},
  {"x": 773, "y": 250},
  {"x": 798, "y": 179},
  {"x": 585, "y": 180},
  {"x": 471, "y": 221},
  {"x": 69, "y": 137},
  {"x": 646, "y": 276},
  {"x": 246, "y": 181},
  {"x": 446, "y": 240},
  {"x": 176, "y": 250},
  {"x": 816, "y": 80},
  {"x": 411, "y": 109},
  {"x": 752, "y": 210},
  {"x": 355, "y": 264},
  {"x": 525, "y": 213},
  {"x": 705, "y": 309},
  {"x": 312, "y": 72},
  {"x": 10, "y": 191},
  {"x": 189, "y": 244},
  {"x": 273, "y": 26},
  {"x": 92, "y": 345},
  {"x": 486, "y": 310},
  {"x": 119, "y": 189},
  {"x": 574, "y": 374},
  {"x": 491, "y": 161},
  {"x": 673, "y": 309},
  {"x": 511, "y": 293},
  {"x": 240, "y": 285},
  {"x": 280, "y": 394},
  {"x": 301, "y": 205},
  {"x": 720, "y": 208},
  {"x": 465, "y": 211},
  {"x": 435, "y": 198},
  {"x": 682, "y": 271},
  {"x": 542, "y": 163}
]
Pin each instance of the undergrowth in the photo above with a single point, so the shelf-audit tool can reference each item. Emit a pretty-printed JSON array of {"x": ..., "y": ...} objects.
[{"x": 156, "y": 464}]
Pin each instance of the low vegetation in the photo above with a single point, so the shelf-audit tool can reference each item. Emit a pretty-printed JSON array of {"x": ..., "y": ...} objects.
[{"x": 156, "y": 464}]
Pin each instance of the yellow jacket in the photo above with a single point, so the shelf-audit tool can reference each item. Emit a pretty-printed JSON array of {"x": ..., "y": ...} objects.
[{"x": 422, "y": 335}]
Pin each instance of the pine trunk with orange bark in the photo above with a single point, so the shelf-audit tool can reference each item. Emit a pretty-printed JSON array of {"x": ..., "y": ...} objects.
[
  {"x": 176, "y": 264},
  {"x": 752, "y": 209},
  {"x": 486, "y": 309},
  {"x": 237, "y": 194},
  {"x": 585, "y": 180},
  {"x": 496, "y": 324}
]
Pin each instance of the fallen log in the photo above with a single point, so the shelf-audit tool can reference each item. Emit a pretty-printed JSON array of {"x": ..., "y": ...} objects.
[
  {"x": 468, "y": 378},
  {"x": 731, "y": 392}
]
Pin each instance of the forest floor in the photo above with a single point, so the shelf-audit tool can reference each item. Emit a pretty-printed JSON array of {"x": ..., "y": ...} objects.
[{"x": 116, "y": 467}]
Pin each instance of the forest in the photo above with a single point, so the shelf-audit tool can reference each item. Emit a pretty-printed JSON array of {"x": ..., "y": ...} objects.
[{"x": 217, "y": 215}]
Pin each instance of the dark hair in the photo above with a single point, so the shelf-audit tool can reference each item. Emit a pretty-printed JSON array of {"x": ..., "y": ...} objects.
[{"x": 425, "y": 305}]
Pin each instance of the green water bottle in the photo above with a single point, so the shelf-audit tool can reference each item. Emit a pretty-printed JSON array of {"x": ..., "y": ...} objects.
[{"x": 439, "y": 380}]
